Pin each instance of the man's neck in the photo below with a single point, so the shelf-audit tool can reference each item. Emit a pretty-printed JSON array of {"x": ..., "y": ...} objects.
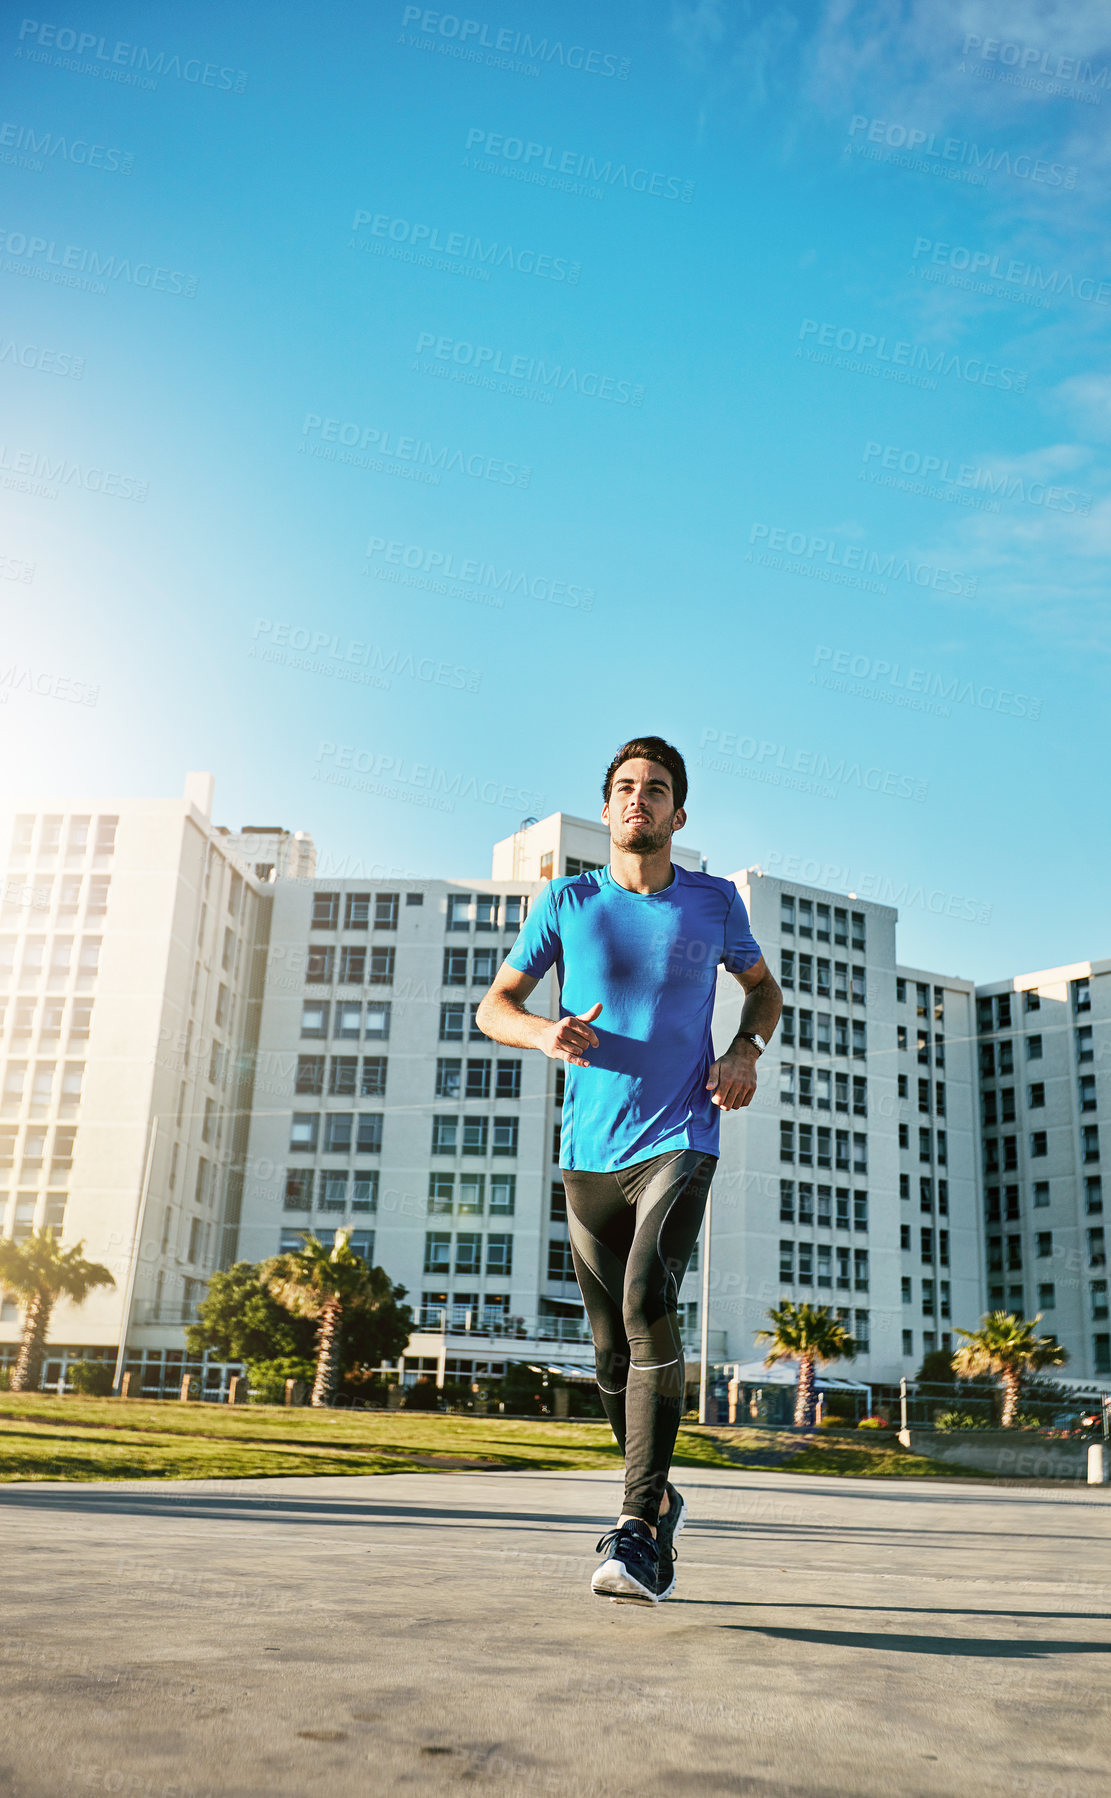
[{"x": 641, "y": 873}]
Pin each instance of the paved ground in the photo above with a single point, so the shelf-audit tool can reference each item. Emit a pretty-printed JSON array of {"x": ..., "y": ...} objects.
[{"x": 436, "y": 1634}]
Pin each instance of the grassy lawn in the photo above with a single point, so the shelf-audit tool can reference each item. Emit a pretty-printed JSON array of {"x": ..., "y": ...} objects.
[{"x": 44, "y": 1437}]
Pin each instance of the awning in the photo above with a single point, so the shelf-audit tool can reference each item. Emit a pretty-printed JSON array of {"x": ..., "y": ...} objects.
[{"x": 754, "y": 1373}]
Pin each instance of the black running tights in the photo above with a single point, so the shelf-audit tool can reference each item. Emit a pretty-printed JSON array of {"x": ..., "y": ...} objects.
[{"x": 632, "y": 1233}]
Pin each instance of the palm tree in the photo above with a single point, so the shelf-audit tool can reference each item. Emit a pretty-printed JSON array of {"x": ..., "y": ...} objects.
[
  {"x": 37, "y": 1272},
  {"x": 812, "y": 1336},
  {"x": 325, "y": 1283},
  {"x": 1005, "y": 1344}
]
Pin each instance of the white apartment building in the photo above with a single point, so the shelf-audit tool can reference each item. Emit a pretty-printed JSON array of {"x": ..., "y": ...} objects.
[
  {"x": 208, "y": 1050},
  {"x": 1045, "y": 1082},
  {"x": 131, "y": 942}
]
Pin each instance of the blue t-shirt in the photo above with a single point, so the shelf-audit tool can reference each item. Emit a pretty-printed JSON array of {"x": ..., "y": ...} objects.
[{"x": 652, "y": 960}]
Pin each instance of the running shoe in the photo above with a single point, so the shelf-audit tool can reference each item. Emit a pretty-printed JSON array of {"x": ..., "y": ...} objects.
[
  {"x": 667, "y": 1528},
  {"x": 631, "y": 1568}
]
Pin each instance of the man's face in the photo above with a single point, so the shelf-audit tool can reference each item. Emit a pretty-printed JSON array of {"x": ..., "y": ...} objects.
[{"x": 641, "y": 811}]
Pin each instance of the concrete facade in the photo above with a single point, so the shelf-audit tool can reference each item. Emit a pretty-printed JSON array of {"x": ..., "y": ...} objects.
[{"x": 210, "y": 1050}]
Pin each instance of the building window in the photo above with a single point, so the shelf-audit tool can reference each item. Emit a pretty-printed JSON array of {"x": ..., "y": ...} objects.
[
  {"x": 365, "y": 1190},
  {"x": 484, "y": 965},
  {"x": 1093, "y": 1194},
  {"x": 298, "y": 1189},
  {"x": 475, "y": 1135},
  {"x": 310, "y": 1074},
  {"x": 1035, "y": 1094},
  {"x": 1033, "y": 1048},
  {"x": 356, "y": 912},
  {"x": 385, "y": 910},
  {"x": 478, "y": 1079},
  {"x": 369, "y": 1133},
  {"x": 441, "y": 1193},
  {"x": 303, "y": 1129},
  {"x": 459, "y": 911},
  {"x": 343, "y": 1075},
  {"x": 787, "y": 1201},
  {"x": 373, "y": 1084},
  {"x": 445, "y": 1134},
  {"x": 1041, "y": 1193},
  {"x": 455, "y": 967},
  {"x": 787, "y": 1263},
  {"x": 786, "y": 1141},
  {"x": 325, "y": 911},
  {"x": 337, "y": 1132},
  {"x": 437, "y": 1252},
  {"x": 1081, "y": 995},
  {"x": 378, "y": 1020},
  {"x": 352, "y": 965},
  {"x": 860, "y": 1270},
  {"x": 1089, "y": 1142},
  {"x": 333, "y": 1192},
  {"x": 1087, "y": 1092},
  {"x": 560, "y": 1263},
  {"x": 499, "y": 1255},
  {"x": 907, "y": 1290},
  {"x": 321, "y": 965},
  {"x": 449, "y": 1073},
  {"x": 451, "y": 1022},
  {"x": 508, "y": 1082},
  {"x": 468, "y": 1253},
  {"x": 1043, "y": 1244},
  {"x": 486, "y": 911},
  {"x": 1084, "y": 1048},
  {"x": 503, "y": 1194},
  {"x": 505, "y": 1136},
  {"x": 860, "y": 1038},
  {"x": 1097, "y": 1252},
  {"x": 382, "y": 965}
]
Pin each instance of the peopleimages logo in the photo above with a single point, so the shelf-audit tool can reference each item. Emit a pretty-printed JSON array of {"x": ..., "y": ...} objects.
[
  {"x": 52, "y": 145},
  {"x": 473, "y": 255},
  {"x": 71, "y": 262},
  {"x": 120, "y": 57},
  {"x": 490, "y": 581},
  {"x": 879, "y": 672},
  {"x": 773, "y": 761},
  {"x": 902, "y": 354},
  {"x": 968, "y": 475},
  {"x": 960, "y": 152},
  {"x": 1011, "y": 269},
  {"x": 427, "y": 461},
  {"x": 546, "y": 165},
  {"x": 466, "y": 35},
  {"x": 856, "y": 557},
  {"x": 554, "y": 376}
]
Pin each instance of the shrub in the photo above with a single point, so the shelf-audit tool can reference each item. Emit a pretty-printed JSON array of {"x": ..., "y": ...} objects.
[
  {"x": 875, "y": 1422},
  {"x": 268, "y": 1378},
  {"x": 830, "y": 1422},
  {"x": 960, "y": 1420},
  {"x": 93, "y": 1378}
]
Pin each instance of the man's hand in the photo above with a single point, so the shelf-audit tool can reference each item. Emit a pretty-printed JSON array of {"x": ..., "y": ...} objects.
[
  {"x": 732, "y": 1081},
  {"x": 569, "y": 1038}
]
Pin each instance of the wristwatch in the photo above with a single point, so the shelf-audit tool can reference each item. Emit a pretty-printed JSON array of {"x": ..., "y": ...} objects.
[{"x": 752, "y": 1036}]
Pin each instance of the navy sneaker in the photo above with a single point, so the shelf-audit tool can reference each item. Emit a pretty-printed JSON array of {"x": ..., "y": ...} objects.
[
  {"x": 630, "y": 1570},
  {"x": 667, "y": 1528}
]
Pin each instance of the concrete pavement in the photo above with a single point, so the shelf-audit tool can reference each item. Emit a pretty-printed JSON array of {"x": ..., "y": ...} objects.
[{"x": 436, "y": 1634}]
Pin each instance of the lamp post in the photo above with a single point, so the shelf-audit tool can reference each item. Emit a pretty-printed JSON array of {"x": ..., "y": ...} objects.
[{"x": 704, "y": 1317}]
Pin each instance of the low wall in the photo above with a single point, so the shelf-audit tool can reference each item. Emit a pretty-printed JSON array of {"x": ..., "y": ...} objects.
[{"x": 1022, "y": 1454}]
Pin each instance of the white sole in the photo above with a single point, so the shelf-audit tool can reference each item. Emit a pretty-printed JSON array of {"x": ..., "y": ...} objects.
[{"x": 613, "y": 1580}]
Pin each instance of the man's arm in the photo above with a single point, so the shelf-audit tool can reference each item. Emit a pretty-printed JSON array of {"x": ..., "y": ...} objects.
[
  {"x": 732, "y": 1079},
  {"x": 502, "y": 1016}
]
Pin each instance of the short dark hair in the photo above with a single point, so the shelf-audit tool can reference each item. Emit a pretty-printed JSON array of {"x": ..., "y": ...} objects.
[{"x": 650, "y": 749}]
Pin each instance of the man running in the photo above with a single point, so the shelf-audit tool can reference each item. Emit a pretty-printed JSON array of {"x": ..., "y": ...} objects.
[{"x": 636, "y": 946}]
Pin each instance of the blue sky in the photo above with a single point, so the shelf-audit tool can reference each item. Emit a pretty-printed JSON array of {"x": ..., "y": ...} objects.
[{"x": 785, "y": 436}]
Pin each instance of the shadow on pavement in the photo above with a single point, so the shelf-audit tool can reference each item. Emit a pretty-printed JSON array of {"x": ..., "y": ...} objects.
[{"x": 944, "y": 1645}]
